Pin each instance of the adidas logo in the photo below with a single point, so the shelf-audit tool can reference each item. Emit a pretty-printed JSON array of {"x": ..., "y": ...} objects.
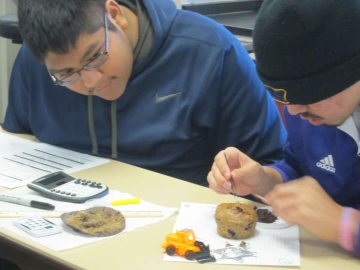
[{"x": 327, "y": 163}]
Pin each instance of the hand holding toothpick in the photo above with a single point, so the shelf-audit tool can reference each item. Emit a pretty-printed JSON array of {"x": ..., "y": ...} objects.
[{"x": 232, "y": 166}]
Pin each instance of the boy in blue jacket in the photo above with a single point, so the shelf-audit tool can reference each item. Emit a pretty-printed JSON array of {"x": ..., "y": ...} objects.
[
  {"x": 308, "y": 54},
  {"x": 152, "y": 86}
]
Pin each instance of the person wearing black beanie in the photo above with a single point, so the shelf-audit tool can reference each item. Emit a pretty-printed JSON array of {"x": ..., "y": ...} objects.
[{"x": 308, "y": 56}]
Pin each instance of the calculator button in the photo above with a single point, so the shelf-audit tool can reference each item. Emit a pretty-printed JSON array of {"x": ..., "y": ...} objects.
[
  {"x": 84, "y": 184},
  {"x": 83, "y": 180},
  {"x": 99, "y": 186},
  {"x": 77, "y": 182},
  {"x": 25, "y": 226},
  {"x": 92, "y": 185},
  {"x": 68, "y": 193},
  {"x": 57, "y": 191},
  {"x": 53, "y": 190},
  {"x": 73, "y": 194},
  {"x": 62, "y": 192}
]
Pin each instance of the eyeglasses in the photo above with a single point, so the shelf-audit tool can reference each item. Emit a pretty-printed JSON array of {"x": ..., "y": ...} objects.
[
  {"x": 98, "y": 60},
  {"x": 278, "y": 94}
]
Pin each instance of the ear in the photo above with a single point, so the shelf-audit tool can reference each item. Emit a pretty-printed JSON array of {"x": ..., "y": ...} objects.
[{"x": 116, "y": 14}]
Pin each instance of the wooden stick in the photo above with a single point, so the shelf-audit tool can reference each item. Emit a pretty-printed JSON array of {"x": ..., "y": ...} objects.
[
  {"x": 55, "y": 214},
  {"x": 260, "y": 198}
]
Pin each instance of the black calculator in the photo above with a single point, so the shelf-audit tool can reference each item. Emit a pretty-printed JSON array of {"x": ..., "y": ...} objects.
[{"x": 63, "y": 187}]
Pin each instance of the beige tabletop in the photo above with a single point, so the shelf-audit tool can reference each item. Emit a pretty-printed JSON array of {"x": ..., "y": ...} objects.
[{"x": 141, "y": 248}]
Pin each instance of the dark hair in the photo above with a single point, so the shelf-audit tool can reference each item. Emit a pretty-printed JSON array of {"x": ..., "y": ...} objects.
[{"x": 56, "y": 25}]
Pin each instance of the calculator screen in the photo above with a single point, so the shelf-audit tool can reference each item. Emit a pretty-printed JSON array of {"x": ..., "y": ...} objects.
[{"x": 53, "y": 181}]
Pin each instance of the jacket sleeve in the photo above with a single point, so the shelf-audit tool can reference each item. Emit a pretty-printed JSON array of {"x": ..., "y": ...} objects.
[
  {"x": 248, "y": 118},
  {"x": 287, "y": 167},
  {"x": 16, "y": 118}
]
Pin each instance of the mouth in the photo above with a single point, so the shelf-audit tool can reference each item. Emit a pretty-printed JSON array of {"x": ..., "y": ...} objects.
[
  {"x": 315, "y": 121},
  {"x": 104, "y": 87}
]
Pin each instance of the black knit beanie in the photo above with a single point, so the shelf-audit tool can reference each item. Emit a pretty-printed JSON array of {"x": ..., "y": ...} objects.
[{"x": 308, "y": 50}]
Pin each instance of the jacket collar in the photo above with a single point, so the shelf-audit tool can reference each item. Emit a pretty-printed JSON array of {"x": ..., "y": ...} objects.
[{"x": 349, "y": 127}]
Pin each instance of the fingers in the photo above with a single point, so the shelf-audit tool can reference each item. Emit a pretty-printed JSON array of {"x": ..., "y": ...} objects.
[
  {"x": 281, "y": 195},
  {"x": 288, "y": 212},
  {"x": 233, "y": 157},
  {"x": 217, "y": 181},
  {"x": 241, "y": 188},
  {"x": 224, "y": 163},
  {"x": 214, "y": 185},
  {"x": 221, "y": 163},
  {"x": 290, "y": 189},
  {"x": 286, "y": 204},
  {"x": 228, "y": 160},
  {"x": 220, "y": 174}
]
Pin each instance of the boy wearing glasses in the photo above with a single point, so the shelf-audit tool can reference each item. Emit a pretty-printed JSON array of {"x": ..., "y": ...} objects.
[
  {"x": 153, "y": 86},
  {"x": 312, "y": 65}
]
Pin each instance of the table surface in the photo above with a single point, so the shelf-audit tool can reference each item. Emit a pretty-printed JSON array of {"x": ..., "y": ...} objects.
[{"x": 141, "y": 248}]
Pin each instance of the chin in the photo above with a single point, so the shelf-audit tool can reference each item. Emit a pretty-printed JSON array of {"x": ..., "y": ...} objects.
[
  {"x": 111, "y": 95},
  {"x": 331, "y": 125},
  {"x": 334, "y": 124}
]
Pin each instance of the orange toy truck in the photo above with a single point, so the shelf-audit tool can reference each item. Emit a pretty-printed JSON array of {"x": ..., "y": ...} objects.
[{"x": 184, "y": 243}]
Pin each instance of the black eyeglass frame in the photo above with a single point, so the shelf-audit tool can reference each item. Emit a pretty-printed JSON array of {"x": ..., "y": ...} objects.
[{"x": 87, "y": 66}]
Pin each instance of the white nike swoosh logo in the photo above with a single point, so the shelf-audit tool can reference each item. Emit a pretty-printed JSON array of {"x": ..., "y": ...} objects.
[{"x": 160, "y": 99}]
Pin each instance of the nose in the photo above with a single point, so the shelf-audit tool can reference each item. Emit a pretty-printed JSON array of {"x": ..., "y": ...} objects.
[
  {"x": 91, "y": 77},
  {"x": 296, "y": 109}
]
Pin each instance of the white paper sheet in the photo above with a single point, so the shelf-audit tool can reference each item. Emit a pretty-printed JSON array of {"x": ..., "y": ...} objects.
[
  {"x": 280, "y": 247},
  {"x": 69, "y": 238},
  {"x": 22, "y": 161}
]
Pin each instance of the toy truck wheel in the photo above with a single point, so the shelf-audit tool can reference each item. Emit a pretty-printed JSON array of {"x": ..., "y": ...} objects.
[
  {"x": 170, "y": 250},
  {"x": 189, "y": 255}
]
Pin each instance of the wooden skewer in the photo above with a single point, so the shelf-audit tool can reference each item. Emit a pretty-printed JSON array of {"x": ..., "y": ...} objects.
[
  {"x": 233, "y": 188},
  {"x": 260, "y": 198},
  {"x": 55, "y": 214}
]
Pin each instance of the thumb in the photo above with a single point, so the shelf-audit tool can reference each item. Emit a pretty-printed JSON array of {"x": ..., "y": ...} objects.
[
  {"x": 242, "y": 184},
  {"x": 236, "y": 160},
  {"x": 233, "y": 162}
]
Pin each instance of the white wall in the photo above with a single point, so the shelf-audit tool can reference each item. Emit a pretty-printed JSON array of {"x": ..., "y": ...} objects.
[
  {"x": 178, "y": 3},
  {"x": 8, "y": 52}
]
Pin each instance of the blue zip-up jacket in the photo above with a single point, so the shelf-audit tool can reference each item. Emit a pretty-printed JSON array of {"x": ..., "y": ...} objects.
[
  {"x": 325, "y": 153},
  {"x": 222, "y": 102}
]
